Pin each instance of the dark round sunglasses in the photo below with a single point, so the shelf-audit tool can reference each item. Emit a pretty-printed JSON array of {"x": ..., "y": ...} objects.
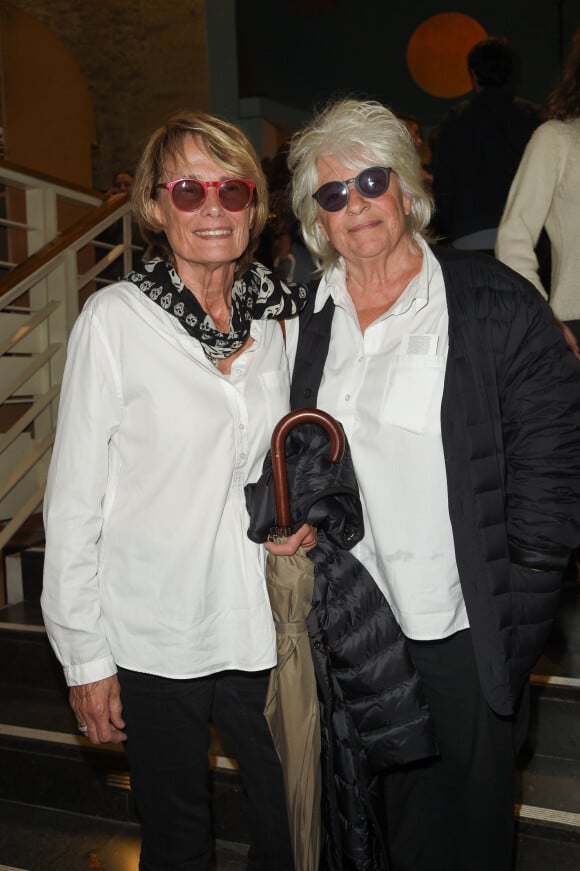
[
  {"x": 189, "y": 194},
  {"x": 372, "y": 182}
]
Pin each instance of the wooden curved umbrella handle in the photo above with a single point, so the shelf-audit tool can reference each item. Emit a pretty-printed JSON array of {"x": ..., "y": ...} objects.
[{"x": 281, "y": 430}]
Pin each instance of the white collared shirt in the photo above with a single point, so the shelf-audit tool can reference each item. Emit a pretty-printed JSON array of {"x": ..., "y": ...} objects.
[
  {"x": 385, "y": 387},
  {"x": 148, "y": 564}
]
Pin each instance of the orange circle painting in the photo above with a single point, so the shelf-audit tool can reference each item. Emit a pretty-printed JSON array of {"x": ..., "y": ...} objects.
[{"x": 437, "y": 53}]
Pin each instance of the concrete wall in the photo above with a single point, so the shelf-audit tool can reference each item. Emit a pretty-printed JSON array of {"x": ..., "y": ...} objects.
[
  {"x": 44, "y": 133},
  {"x": 141, "y": 60}
]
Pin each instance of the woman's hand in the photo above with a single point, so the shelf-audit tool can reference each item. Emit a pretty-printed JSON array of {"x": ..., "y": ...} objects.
[
  {"x": 571, "y": 339},
  {"x": 307, "y": 537},
  {"x": 98, "y": 707}
]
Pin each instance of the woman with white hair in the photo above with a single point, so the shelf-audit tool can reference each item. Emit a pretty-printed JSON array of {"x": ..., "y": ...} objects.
[{"x": 459, "y": 401}]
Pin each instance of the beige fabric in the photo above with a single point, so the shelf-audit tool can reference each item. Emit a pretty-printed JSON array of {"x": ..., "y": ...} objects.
[
  {"x": 545, "y": 193},
  {"x": 292, "y": 705}
]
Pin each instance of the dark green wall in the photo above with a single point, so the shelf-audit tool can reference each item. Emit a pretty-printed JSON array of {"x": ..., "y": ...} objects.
[{"x": 360, "y": 47}]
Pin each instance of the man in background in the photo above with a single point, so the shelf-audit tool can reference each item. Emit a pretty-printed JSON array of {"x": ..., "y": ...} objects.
[{"x": 480, "y": 144}]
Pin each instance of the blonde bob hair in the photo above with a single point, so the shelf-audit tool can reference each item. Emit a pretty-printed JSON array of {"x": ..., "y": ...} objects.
[
  {"x": 359, "y": 134},
  {"x": 226, "y": 144}
]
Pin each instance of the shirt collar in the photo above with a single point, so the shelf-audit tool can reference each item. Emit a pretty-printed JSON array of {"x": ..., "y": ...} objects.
[{"x": 333, "y": 283}]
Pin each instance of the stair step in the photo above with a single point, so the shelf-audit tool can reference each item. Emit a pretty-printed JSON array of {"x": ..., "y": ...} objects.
[
  {"x": 555, "y": 681},
  {"x": 46, "y": 763},
  {"x": 26, "y": 615},
  {"x": 537, "y": 850},
  {"x": 36, "y": 837},
  {"x": 65, "y": 775},
  {"x": 555, "y": 719},
  {"x": 27, "y": 659},
  {"x": 553, "y": 784},
  {"x": 563, "y": 819},
  {"x": 62, "y": 771}
]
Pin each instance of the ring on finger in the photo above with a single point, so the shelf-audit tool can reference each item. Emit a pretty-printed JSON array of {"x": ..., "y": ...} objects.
[{"x": 83, "y": 728}]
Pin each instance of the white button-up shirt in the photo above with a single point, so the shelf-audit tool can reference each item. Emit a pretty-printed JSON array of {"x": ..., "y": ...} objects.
[
  {"x": 385, "y": 386},
  {"x": 148, "y": 565}
]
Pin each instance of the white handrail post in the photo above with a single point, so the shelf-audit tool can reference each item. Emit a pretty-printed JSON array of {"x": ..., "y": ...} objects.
[
  {"x": 37, "y": 312},
  {"x": 41, "y": 217},
  {"x": 42, "y": 220}
]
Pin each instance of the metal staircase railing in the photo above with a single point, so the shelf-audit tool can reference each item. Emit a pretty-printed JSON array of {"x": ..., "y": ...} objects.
[
  {"x": 34, "y": 209},
  {"x": 40, "y": 298}
]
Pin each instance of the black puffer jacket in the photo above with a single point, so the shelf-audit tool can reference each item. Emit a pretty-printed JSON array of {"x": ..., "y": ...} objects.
[
  {"x": 510, "y": 423},
  {"x": 373, "y": 716}
]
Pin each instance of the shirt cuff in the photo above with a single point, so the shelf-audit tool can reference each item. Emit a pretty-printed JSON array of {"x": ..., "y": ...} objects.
[{"x": 89, "y": 672}]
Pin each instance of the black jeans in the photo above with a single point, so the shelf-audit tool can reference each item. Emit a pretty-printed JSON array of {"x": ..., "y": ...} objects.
[
  {"x": 167, "y": 744},
  {"x": 455, "y": 813}
]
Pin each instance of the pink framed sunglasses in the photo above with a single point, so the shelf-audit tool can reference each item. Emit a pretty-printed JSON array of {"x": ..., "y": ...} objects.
[{"x": 189, "y": 194}]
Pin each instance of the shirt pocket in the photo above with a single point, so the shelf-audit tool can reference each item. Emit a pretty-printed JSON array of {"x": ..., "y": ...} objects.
[
  {"x": 412, "y": 394},
  {"x": 275, "y": 386}
]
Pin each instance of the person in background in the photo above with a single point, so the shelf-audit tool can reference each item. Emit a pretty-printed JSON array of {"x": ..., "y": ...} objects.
[
  {"x": 545, "y": 193},
  {"x": 154, "y": 598},
  {"x": 414, "y": 128},
  {"x": 283, "y": 260},
  {"x": 113, "y": 235},
  {"x": 122, "y": 184},
  {"x": 479, "y": 146},
  {"x": 461, "y": 405},
  {"x": 281, "y": 247}
]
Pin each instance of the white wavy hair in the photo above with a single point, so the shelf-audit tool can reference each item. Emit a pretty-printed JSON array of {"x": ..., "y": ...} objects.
[{"x": 359, "y": 134}]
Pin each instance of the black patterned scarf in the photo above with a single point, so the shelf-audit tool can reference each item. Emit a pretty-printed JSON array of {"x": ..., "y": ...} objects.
[{"x": 257, "y": 294}]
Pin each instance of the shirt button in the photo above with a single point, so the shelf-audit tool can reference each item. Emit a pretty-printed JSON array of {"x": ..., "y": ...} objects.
[
  {"x": 242, "y": 456},
  {"x": 242, "y": 426},
  {"x": 237, "y": 371},
  {"x": 347, "y": 397}
]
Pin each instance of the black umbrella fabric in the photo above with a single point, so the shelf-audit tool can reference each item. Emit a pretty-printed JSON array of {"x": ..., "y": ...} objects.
[{"x": 373, "y": 715}]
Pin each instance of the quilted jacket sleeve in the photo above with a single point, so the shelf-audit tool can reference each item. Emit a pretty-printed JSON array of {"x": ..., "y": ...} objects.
[
  {"x": 510, "y": 420},
  {"x": 539, "y": 384}
]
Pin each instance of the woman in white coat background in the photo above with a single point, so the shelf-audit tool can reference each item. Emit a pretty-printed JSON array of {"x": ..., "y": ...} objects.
[{"x": 546, "y": 193}]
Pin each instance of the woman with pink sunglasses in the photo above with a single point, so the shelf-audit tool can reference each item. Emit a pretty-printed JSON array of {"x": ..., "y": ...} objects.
[{"x": 154, "y": 597}]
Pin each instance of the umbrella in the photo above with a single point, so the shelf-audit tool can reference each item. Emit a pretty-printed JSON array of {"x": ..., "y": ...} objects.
[
  {"x": 291, "y": 709},
  {"x": 372, "y": 712}
]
